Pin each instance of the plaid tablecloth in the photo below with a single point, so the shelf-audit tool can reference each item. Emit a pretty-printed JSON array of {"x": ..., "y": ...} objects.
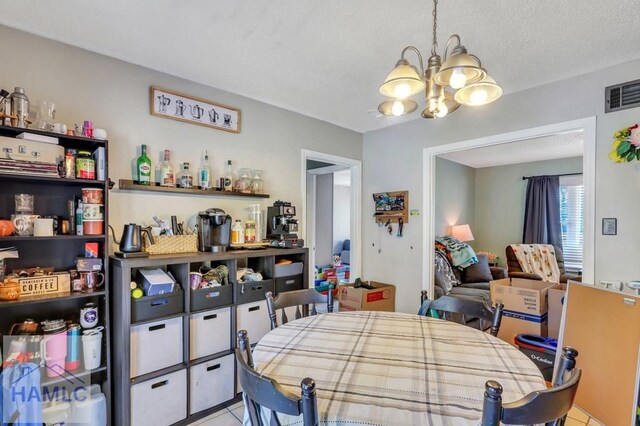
[{"x": 380, "y": 368}]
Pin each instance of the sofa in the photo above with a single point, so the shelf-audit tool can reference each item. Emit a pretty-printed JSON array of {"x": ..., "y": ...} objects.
[
  {"x": 344, "y": 251},
  {"x": 515, "y": 270},
  {"x": 472, "y": 284}
]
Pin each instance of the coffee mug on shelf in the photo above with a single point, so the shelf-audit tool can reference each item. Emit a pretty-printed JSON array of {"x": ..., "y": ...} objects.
[
  {"x": 92, "y": 280},
  {"x": 59, "y": 128},
  {"x": 23, "y": 223},
  {"x": 43, "y": 228}
]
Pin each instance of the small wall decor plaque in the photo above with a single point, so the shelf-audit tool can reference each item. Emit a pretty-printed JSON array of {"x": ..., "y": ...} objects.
[{"x": 177, "y": 106}]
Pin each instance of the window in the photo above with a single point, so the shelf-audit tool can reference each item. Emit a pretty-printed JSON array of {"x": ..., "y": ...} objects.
[{"x": 572, "y": 221}]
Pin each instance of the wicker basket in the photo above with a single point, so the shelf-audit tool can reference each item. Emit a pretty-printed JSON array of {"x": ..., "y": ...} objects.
[{"x": 165, "y": 244}]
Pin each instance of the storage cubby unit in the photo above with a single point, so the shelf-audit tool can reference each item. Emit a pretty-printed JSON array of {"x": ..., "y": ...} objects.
[
  {"x": 51, "y": 195},
  {"x": 184, "y": 360}
]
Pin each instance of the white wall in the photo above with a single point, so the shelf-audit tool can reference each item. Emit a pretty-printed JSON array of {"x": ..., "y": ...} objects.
[
  {"x": 455, "y": 196},
  {"x": 324, "y": 219},
  {"x": 399, "y": 260},
  {"x": 341, "y": 216},
  {"x": 115, "y": 95}
]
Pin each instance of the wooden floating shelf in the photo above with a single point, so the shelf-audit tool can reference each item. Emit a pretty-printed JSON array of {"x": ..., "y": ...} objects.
[{"x": 130, "y": 185}]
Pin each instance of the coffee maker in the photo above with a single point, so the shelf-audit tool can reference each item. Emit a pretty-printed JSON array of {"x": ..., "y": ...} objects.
[
  {"x": 214, "y": 230},
  {"x": 281, "y": 224}
]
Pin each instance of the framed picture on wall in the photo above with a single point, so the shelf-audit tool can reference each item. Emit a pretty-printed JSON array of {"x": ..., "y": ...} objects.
[{"x": 177, "y": 106}]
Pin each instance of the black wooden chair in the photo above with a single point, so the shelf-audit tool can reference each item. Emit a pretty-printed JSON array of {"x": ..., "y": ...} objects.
[
  {"x": 549, "y": 406},
  {"x": 301, "y": 299},
  {"x": 468, "y": 308},
  {"x": 261, "y": 391}
]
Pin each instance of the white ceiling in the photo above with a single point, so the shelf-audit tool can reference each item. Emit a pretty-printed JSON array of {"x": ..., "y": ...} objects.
[
  {"x": 326, "y": 58},
  {"x": 553, "y": 147}
]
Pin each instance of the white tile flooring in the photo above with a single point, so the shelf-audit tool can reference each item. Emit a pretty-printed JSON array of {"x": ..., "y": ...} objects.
[{"x": 232, "y": 416}]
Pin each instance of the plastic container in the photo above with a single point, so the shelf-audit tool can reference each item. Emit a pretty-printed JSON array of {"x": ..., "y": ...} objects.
[
  {"x": 237, "y": 233},
  {"x": 249, "y": 231},
  {"x": 541, "y": 350},
  {"x": 92, "y": 196}
]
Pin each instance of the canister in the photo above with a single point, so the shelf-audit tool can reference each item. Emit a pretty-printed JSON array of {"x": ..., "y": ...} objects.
[
  {"x": 85, "y": 166},
  {"x": 73, "y": 347}
]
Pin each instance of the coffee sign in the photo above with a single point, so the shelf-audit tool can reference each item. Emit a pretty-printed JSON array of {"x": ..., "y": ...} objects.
[{"x": 50, "y": 285}]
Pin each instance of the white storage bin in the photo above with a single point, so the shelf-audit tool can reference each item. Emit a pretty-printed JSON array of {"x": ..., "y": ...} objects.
[
  {"x": 210, "y": 332},
  {"x": 211, "y": 383},
  {"x": 161, "y": 401},
  {"x": 156, "y": 345},
  {"x": 254, "y": 318}
]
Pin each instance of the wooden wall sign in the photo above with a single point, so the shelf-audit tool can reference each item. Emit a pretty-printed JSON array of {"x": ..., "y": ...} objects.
[
  {"x": 177, "y": 106},
  {"x": 391, "y": 206}
]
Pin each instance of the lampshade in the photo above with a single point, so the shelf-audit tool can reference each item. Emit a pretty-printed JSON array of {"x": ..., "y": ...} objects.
[
  {"x": 482, "y": 92},
  {"x": 397, "y": 107},
  {"x": 462, "y": 232},
  {"x": 448, "y": 101},
  {"x": 402, "y": 82},
  {"x": 459, "y": 70}
]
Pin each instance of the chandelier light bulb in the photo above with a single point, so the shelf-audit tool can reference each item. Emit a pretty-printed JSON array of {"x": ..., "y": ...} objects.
[
  {"x": 442, "y": 109},
  {"x": 458, "y": 79},
  {"x": 397, "y": 109},
  {"x": 479, "y": 96},
  {"x": 402, "y": 91}
]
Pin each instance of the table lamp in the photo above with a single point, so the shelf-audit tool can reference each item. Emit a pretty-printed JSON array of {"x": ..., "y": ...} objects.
[{"x": 462, "y": 232}]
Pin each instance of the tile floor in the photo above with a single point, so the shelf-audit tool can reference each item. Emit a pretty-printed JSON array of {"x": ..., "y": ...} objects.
[{"x": 232, "y": 416}]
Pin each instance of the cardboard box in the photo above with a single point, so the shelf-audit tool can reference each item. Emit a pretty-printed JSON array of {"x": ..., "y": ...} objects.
[
  {"x": 381, "y": 298},
  {"x": 556, "y": 299},
  {"x": 56, "y": 284},
  {"x": 525, "y": 306}
]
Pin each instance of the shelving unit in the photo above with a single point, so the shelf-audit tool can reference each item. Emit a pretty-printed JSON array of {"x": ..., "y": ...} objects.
[
  {"x": 130, "y": 185},
  {"x": 60, "y": 252},
  {"x": 187, "y": 371}
]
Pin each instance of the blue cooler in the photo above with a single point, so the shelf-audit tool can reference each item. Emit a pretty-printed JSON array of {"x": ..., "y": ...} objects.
[{"x": 541, "y": 350}]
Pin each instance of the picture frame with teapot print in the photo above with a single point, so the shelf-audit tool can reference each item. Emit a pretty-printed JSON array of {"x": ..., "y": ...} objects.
[{"x": 190, "y": 109}]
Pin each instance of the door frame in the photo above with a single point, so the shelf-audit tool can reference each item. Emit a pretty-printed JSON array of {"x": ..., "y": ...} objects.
[
  {"x": 355, "y": 167},
  {"x": 587, "y": 125}
]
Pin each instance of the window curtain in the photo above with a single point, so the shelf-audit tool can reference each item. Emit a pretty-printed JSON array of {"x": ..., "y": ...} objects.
[{"x": 542, "y": 212}]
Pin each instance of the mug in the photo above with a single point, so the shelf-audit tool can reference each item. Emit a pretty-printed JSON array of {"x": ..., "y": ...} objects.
[
  {"x": 23, "y": 223},
  {"x": 43, "y": 228},
  {"x": 59, "y": 128},
  {"x": 195, "y": 279},
  {"x": 53, "y": 348},
  {"x": 91, "y": 280}
]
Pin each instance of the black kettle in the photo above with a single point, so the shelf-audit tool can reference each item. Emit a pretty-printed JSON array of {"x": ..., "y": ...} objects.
[{"x": 131, "y": 240}]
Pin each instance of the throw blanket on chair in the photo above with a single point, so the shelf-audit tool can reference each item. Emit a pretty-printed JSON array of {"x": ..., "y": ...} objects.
[
  {"x": 442, "y": 266},
  {"x": 538, "y": 259},
  {"x": 462, "y": 255}
]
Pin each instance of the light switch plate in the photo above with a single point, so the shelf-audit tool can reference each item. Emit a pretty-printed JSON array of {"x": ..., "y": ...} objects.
[{"x": 609, "y": 226}]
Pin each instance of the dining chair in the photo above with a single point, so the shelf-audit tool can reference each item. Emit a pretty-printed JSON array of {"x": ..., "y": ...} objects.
[
  {"x": 301, "y": 299},
  {"x": 260, "y": 391},
  {"x": 469, "y": 308},
  {"x": 548, "y": 406}
]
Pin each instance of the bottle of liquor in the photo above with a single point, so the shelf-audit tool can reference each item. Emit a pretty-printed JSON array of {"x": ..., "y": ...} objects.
[
  {"x": 228, "y": 177},
  {"x": 144, "y": 168},
  {"x": 186, "y": 178},
  {"x": 204, "y": 174},
  {"x": 167, "y": 178}
]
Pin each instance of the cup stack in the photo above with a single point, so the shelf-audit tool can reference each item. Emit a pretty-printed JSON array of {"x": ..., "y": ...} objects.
[{"x": 92, "y": 211}]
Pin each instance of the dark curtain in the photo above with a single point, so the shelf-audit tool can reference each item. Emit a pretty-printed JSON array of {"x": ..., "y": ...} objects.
[{"x": 542, "y": 212}]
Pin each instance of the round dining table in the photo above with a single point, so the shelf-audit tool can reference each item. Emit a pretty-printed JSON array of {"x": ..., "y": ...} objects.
[{"x": 385, "y": 368}]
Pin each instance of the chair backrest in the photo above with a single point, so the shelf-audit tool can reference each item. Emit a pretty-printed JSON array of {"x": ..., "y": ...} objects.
[
  {"x": 514, "y": 266},
  {"x": 470, "y": 308},
  {"x": 548, "y": 406},
  {"x": 261, "y": 391},
  {"x": 301, "y": 299}
]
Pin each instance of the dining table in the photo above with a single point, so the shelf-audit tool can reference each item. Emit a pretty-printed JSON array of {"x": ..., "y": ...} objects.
[{"x": 386, "y": 368}]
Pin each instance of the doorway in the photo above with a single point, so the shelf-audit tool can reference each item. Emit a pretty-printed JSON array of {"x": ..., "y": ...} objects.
[
  {"x": 430, "y": 231},
  {"x": 331, "y": 188}
]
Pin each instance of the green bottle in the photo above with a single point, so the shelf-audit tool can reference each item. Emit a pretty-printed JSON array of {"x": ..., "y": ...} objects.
[{"x": 144, "y": 168}]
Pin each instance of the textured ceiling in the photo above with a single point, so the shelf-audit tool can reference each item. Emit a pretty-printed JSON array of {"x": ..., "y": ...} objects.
[
  {"x": 326, "y": 58},
  {"x": 565, "y": 145}
]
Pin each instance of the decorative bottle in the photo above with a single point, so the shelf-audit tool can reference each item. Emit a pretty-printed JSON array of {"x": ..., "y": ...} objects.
[
  {"x": 186, "y": 179},
  {"x": 144, "y": 168},
  {"x": 204, "y": 174},
  {"x": 167, "y": 178},
  {"x": 228, "y": 177}
]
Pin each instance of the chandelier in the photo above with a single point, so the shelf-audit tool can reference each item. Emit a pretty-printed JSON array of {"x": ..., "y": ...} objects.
[{"x": 459, "y": 80}]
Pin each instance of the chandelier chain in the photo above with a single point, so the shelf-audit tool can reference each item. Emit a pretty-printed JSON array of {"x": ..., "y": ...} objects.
[{"x": 434, "y": 44}]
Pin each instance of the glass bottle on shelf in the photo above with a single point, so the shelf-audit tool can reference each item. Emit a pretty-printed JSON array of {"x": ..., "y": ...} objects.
[
  {"x": 143, "y": 167},
  {"x": 244, "y": 181},
  {"x": 167, "y": 178},
  {"x": 228, "y": 177},
  {"x": 204, "y": 174},
  {"x": 257, "y": 184},
  {"x": 186, "y": 178}
]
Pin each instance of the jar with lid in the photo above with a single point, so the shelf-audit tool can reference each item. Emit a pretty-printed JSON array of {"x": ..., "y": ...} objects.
[
  {"x": 250, "y": 231},
  {"x": 85, "y": 166},
  {"x": 257, "y": 184},
  {"x": 244, "y": 181}
]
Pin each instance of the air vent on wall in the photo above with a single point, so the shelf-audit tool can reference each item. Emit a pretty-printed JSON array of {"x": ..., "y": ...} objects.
[{"x": 622, "y": 96}]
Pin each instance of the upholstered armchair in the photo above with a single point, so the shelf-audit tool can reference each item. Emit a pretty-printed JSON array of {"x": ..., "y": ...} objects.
[{"x": 515, "y": 271}]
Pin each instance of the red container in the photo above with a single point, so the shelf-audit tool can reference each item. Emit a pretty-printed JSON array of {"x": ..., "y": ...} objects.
[
  {"x": 92, "y": 196},
  {"x": 93, "y": 227}
]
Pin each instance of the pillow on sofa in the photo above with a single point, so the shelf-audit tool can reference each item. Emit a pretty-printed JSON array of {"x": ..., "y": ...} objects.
[{"x": 478, "y": 272}]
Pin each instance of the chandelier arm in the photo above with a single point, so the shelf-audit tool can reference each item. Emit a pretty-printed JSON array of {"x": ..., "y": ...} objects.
[
  {"x": 446, "y": 49},
  {"x": 477, "y": 59},
  {"x": 417, "y": 52}
]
